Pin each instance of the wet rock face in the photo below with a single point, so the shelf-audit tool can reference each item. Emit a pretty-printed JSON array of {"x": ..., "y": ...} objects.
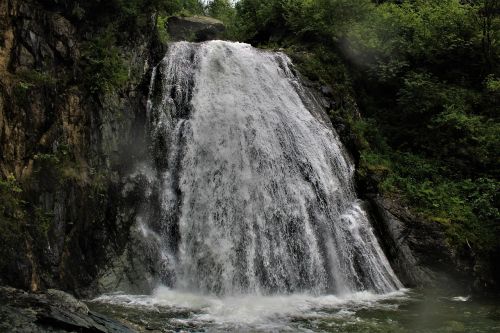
[
  {"x": 418, "y": 249},
  {"x": 70, "y": 151},
  {"x": 53, "y": 311},
  {"x": 194, "y": 28}
]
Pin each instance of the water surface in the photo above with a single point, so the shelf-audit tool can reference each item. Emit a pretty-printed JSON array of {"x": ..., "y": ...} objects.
[{"x": 403, "y": 311}]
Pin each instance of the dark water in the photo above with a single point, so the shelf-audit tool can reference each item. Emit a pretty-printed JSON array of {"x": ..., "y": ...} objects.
[{"x": 400, "y": 312}]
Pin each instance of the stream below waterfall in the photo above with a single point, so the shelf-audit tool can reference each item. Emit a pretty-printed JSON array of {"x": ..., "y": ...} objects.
[{"x": 398, "y": 312}]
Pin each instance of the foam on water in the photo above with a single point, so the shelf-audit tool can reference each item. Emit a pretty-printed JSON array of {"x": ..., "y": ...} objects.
[{"x": 251, "y": 310}]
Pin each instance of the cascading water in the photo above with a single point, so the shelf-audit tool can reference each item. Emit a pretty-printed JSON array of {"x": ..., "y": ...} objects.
[{"x": 254, "y": 189}]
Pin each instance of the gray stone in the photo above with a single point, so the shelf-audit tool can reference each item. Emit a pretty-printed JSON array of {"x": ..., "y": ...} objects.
[
  {"x": 25, "y": 59},
  {"x": 68, "y": 300},
  {"x": 417, "y": 249},
  {"x": 194, "y": 28},
  {"x": 61, "y": 49},
  {"x": 53, "y": 311},
  {"x": 327, "y": 91}
]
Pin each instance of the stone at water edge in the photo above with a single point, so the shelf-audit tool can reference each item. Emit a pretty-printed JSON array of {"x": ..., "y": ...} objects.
[{"x": 52, "y": 311}]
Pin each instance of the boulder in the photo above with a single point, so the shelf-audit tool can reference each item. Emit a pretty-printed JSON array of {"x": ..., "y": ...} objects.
[
  {"x": 194, "y": 28},
  {"x": 53, "y": 311},
  {"x": 417, "y": 249}
]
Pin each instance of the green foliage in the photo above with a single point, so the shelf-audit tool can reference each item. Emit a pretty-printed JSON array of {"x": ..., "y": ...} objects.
[
  {"x": 103, "y": 67},
  {"x": 449, "y": 116},
  {"x": 223, "y": 10},
  {"x": 467, "y": 207},
  {"x": 28, "y": 80},
  {"x": 102, "y": 63},
  {"x": 33, "y": 78},
  {"x": 9, "y": 192},
  {"x": 161, "y": 27},
  {"x": 325, "y": 20},
  {"x": 255, "y": 17},
  {"x": 492, "y": 84},
  {"x": 53, "y": 169},
  {"x": 174, "y": 7},
  {"x": 328, "y": 19},
  {"x": 425, "y": 76}
]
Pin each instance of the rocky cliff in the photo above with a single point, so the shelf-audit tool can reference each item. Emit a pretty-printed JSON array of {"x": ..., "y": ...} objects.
[{"x": 65, "y": 148}]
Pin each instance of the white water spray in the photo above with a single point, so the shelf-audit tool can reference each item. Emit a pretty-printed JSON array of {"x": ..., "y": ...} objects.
[{"x": 255, "y": 191}]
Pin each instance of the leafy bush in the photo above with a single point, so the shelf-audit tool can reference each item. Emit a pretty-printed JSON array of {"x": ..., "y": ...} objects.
[
  {"x": 103, "y": 67},
  {"x": 224, "y": 10},
  {"x": 161, "y": 28}
]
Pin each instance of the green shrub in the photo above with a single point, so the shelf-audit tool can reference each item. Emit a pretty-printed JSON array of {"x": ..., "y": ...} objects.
[
  {"x": 161, "y": 28},
  {"x": 104, "y": 69}
]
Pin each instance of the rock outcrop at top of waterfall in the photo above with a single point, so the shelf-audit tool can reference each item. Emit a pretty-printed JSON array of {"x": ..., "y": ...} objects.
[{"x": 194, "y": 28}]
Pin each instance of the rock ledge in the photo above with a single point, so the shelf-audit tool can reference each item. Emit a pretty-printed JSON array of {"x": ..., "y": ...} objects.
[
  {"x": 194, "y": 28},
  {"x": 53, "y": 311}
]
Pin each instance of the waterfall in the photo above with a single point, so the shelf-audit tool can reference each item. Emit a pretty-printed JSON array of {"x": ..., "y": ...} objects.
[{"x": 253, "y": 191}]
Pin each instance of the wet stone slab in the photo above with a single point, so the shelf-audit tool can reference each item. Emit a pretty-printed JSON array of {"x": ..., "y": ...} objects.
[{"x": 52, "y": 311}]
